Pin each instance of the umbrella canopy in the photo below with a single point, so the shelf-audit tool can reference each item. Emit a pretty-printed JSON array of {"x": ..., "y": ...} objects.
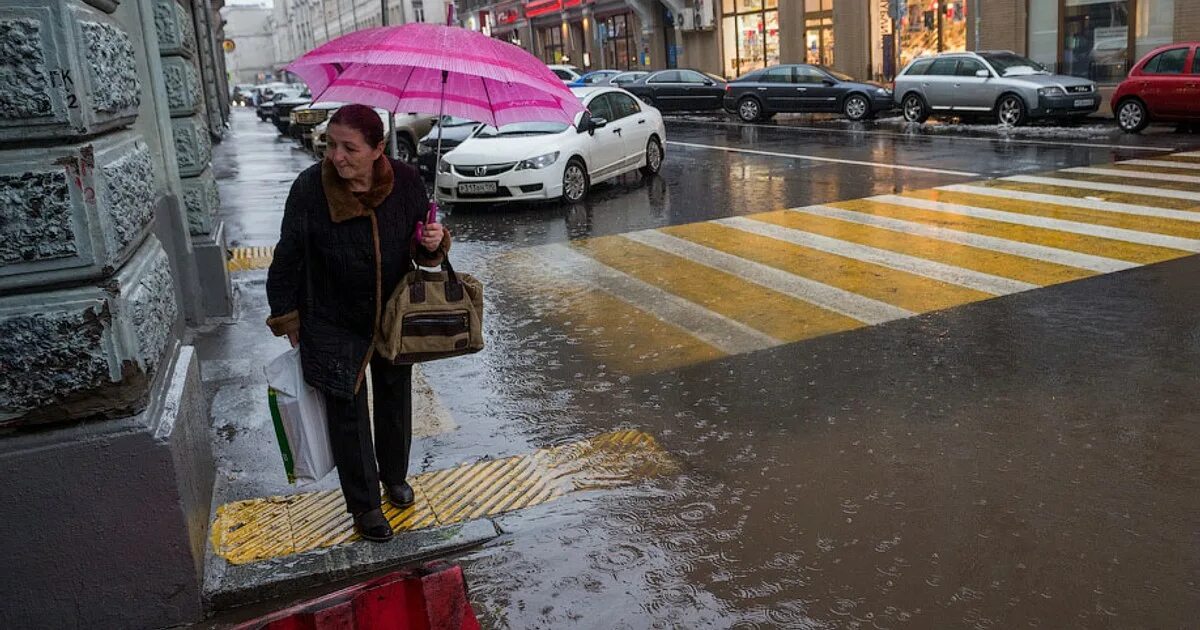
[{"x": 437, "y": 69}]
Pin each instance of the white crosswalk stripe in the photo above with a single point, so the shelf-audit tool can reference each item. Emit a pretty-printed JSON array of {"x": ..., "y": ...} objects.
[
  {"x": 1162, "y": 164},
  {"x": 1028, "y": 250},
  {"x": 1117, "y": 188},
  {"x": 723, "y": 333},
  {"x": 1078, "y": 202},
  {"x": 1075, "y": 227},
  {"x": 930, "y": 269},
  {"x": 1116, "y": 172},
  {"x": 832, "y": 298}
]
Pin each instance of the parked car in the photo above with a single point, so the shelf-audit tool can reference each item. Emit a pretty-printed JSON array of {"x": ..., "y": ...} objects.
[
  {"x": 804, "y": 88},
  {"x": 595, "y": 77},
  {"x": 565, "y": 72},
  {"x": 281, "y": 113},
  {"x": 242, "y": 94},
  {"x": 625, "y": 78},
  {"x": 1163, "y": 86},
  {"x": 540, "y": 161},
  {"x": 306, "y": 117},
  {"x": 409, "y": 127},
  {"x": 266, "y": 108},
  {"x": 265, "y": 93},
  {"x": 679, "y": 90},
  {"x": 453, "y": 132},
  {"x": 1002, "y": 84}
]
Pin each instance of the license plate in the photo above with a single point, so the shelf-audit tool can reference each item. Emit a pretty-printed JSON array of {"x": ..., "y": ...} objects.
[
  {"x": 1084, "y": 102},
  {"x": 477, "y": 188}
]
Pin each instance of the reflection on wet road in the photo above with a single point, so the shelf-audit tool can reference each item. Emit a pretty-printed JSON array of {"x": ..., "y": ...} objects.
[{"x": 898, "y": 399}]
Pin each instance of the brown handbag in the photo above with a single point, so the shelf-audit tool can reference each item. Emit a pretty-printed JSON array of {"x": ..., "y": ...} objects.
[{"x": 432, "y": 315}]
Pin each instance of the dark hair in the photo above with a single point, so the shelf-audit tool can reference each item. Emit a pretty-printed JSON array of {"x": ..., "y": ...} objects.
[{"x": 362, "y": 119}]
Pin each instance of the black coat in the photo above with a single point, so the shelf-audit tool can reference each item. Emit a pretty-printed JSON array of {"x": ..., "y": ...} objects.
[{"x": 339, "y": 258}]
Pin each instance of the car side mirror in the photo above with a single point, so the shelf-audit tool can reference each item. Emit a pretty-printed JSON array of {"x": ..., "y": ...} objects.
[
  {"x": 596, "y": 123},
  {"x": 829, "y": 82},
  {"x": 710, "y": 83},
  {"x": 983, "y": 74}
]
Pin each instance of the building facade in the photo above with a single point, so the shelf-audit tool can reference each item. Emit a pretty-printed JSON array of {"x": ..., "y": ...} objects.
[
  {"x": 1098, "y": 39},
  {"x": 250, "y": 43}
]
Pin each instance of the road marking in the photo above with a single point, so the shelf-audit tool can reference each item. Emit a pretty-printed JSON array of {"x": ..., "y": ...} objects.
[
  {"x": 727, "y": 285},
  {"x": 1119, "y": 188},
  {"x": 253, "y": 530},
  {"x": 829, "y": 298},
  {"x": 1091, "y": 204},
  {"x": 1074, "y": 227},
  {"x": 814, "y": 158},
  {"x": 1113, "y": 172},
  {"x": 1092, "y": 193},
  {"x": 1161, "y": 164},
  {"x": 1195, "y": 154},
  {"x": 1020, "y": 268},
  {"x": 1029, "y": 250},
  {"x": 727, "y": 335},
  {"x": 908, "y": 291},
  {"x": 978, "y": 281},
  {"x": 935, "y": 136}
]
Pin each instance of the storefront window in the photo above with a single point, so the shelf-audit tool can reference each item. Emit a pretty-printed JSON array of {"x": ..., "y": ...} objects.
[
  {"x": 552, "y": 44},
  {"x": 751, "y": 35},
  {"x": 928, "y": 27},
  {"x": 616, "y": 35},
  {"x": 1095, "y": 39},
  {"x": 1155, "y": 25},
  {"x": 818, "y": 31},
  {"x": 1043, "y": 32}
]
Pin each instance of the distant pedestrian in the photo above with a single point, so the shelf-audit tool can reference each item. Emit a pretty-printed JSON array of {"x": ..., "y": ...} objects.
[{"x": 349, "y": 235}]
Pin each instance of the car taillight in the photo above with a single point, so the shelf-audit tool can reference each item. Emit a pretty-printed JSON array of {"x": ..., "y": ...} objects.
[{"x": 728, "y": 87}]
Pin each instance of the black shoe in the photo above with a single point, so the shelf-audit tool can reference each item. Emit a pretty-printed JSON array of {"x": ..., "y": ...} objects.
[
  {"x": 400, "y": 495},
  {"x": 373, "y": 526}
]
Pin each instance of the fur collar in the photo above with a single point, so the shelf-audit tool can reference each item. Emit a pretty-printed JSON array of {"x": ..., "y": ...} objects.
[{"x": 344, "y": 204}]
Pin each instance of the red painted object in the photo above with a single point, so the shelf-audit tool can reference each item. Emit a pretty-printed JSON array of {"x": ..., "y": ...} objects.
[
  {"x": 433, "y": 597},
  {"x": 1164, "y": 86}
]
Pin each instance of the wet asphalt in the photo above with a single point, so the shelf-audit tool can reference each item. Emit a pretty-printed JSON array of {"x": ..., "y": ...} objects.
[{"x": 1025, "y": 461}]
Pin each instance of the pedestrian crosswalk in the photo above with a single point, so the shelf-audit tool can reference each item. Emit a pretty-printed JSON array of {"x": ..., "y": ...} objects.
[{"x": 665, "y": 298}]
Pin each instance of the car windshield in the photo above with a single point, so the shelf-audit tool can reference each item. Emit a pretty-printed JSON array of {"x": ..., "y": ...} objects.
[
  {"x": 1010, "y": 65},
  {"x": 521, "y": 129},
  {"x": 455, "y": 121},
  {"x": 835, "y": 74}
]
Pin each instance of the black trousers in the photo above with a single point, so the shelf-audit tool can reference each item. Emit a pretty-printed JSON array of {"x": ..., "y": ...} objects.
[{"x": 350, "y": 435}]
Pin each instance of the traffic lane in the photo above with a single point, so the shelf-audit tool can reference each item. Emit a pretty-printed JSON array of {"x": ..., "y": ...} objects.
[
  {"x": 1025, "y": 460},
  {"x": 694, "y": 185},
  {"x": 889, "y": 151}
]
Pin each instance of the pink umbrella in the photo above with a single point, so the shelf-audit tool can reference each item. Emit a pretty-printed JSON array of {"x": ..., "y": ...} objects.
[{"x": 426, "y": 68}]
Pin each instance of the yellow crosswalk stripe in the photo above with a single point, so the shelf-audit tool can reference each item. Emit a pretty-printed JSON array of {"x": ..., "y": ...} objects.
[
  {"x": 987, "y": 261},
  {"x": 1094, "y": 245},
  {"x": 1155, "y": 166},
  {"x": 1186, "y": 159},
  {"x": 1171, "y": 227},
  {"x": 906, "y": 290},
  {"x": 769, "y": 311},
  {"x": 1181, "y": 186},
  {"x": 1088, "y": 193}
]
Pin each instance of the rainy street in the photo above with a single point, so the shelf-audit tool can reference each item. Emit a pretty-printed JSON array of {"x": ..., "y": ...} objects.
[{"x": 893, "y": 376}]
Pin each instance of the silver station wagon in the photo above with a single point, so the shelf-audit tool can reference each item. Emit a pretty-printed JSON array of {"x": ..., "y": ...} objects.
[{"x": 1002, "y": 84}]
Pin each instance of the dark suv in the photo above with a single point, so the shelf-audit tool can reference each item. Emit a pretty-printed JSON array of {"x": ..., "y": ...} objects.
[{"x": 804, "y": 88}]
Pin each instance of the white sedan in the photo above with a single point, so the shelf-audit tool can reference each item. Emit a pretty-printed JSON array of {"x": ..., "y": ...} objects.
[{"x": 535, "y": 161}]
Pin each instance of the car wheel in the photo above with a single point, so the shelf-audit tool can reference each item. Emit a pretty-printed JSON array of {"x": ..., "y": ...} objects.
[
  {"x": 404, "y": 149},
  {"x": 575, "y": 181},
  {"x": 1010, "y": 111},
  {"x": 914, "y": 109},
  {"x": 654, "y": 157},
  {"x": 856, "y": 107},
  {"x": 749, "y": 109},
  {"x": 1131, "y": 116}
]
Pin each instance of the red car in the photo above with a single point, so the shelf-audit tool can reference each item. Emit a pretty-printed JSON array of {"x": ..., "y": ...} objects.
[{"x": 1163, "y": 86}]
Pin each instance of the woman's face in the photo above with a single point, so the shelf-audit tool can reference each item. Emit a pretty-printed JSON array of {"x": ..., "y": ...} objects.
[{"x": 350, "y": 153}]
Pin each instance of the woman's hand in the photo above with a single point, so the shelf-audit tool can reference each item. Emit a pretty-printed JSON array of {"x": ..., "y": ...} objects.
[
  {"x": 431, "y": 237},
  {"x": 294, "y": 337}
]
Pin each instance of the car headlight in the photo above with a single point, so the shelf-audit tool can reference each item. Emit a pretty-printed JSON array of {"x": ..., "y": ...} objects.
[
  {"x": 883, "y": 92},
  {"x": 539, "y": 162},
  {"x": 424, "y": 149},
  {"x": 443, "y": 166},
  {"x": 1051, "y": 91}
]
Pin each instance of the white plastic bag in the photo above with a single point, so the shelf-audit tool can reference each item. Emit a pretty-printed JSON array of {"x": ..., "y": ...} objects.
[{"x": 298, "y": 411}]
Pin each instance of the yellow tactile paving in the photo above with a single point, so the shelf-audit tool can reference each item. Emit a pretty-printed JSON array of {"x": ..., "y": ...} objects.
[
  {"x": 1101, "y": 195},
  {"x": 778, "y": 315},
  {"x": 1127, "y": 181},
  {"x": 272, "y": 527},
  {"x": 1030, "y": 270},
  {"x": 1094, "y": 245},
  {"x": 247, "y": 258},
  {"x": 899, "y": 288},
  {"x": 1156, "y": 225}
]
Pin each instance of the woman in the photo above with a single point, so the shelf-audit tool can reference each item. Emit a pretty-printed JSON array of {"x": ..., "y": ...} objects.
[{"x": 352, "y": 227}]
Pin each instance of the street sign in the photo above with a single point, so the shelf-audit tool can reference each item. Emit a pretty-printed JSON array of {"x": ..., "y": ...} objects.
[{"x": 228, "y": 45}]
